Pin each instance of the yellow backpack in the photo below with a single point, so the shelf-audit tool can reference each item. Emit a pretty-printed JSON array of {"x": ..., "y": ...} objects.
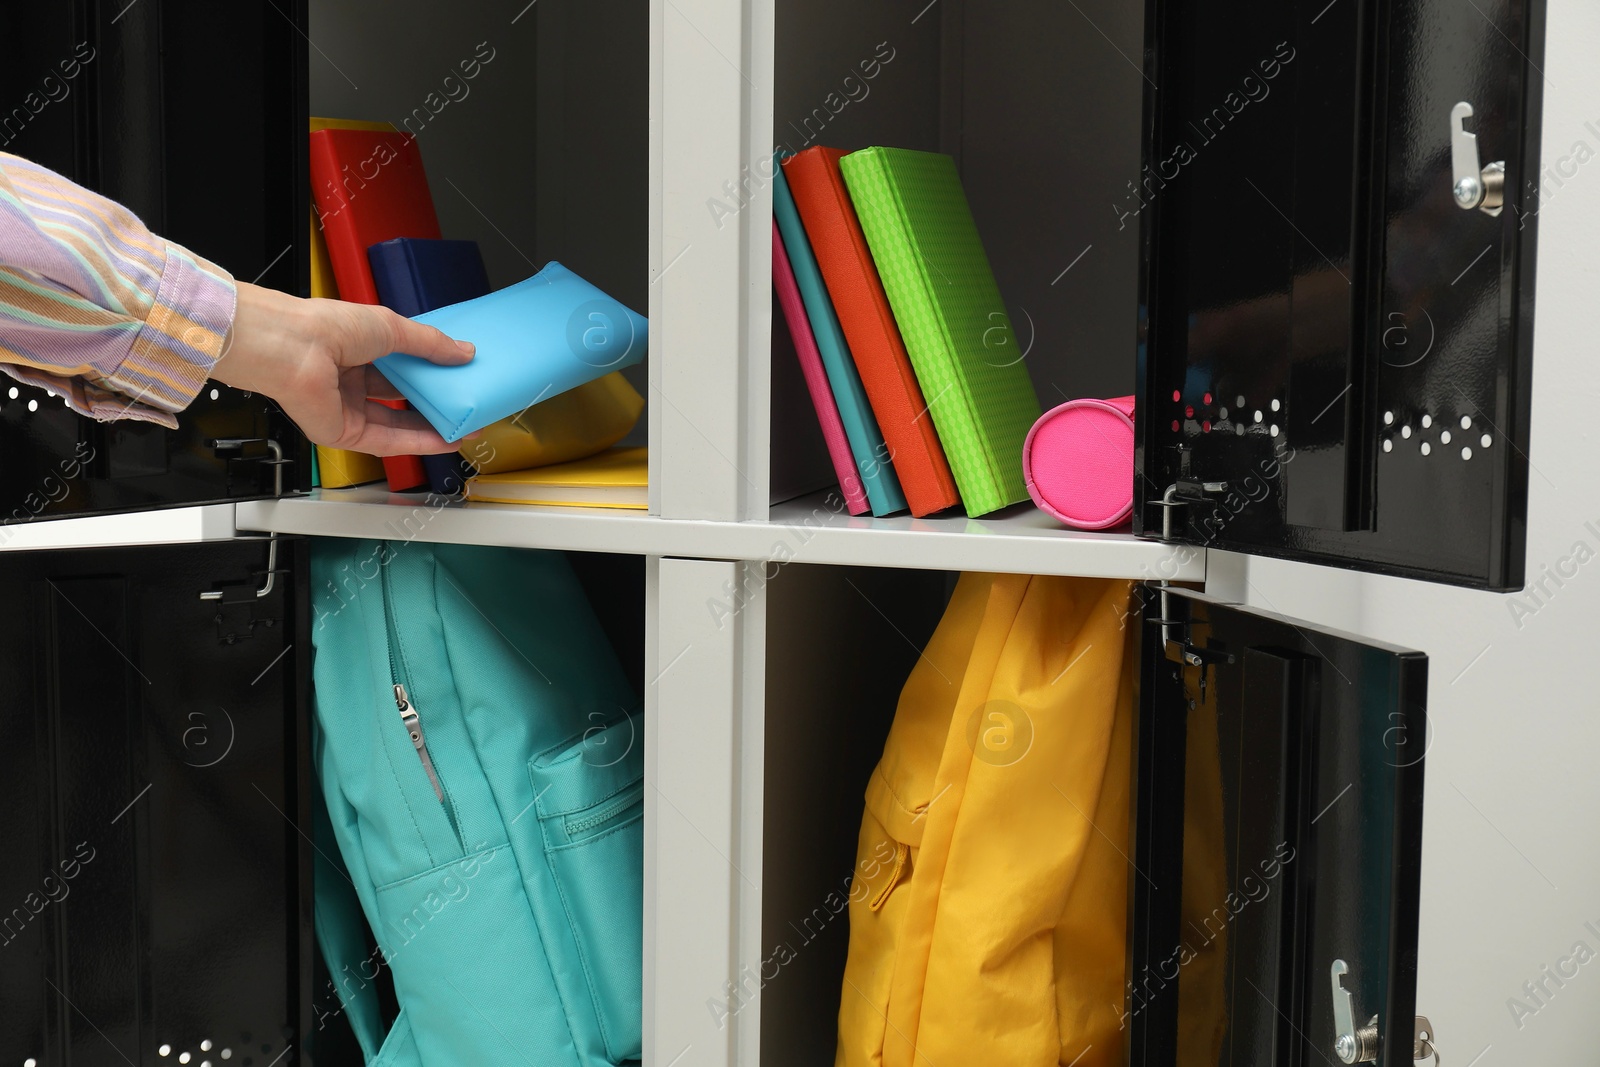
[{"x": 990, "y": 924}]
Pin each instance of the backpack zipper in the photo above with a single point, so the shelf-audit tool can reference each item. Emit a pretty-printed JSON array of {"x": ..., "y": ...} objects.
[
  {"x": 413, "y": 721},
  {"x": 410, "y": 717},
  {"x": 628, "y": 799}
]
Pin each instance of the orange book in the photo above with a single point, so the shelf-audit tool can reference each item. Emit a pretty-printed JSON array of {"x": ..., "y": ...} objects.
[{"x": 869, "y": 326}]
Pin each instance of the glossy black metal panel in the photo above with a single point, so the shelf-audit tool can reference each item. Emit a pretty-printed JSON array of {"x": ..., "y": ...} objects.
[
  {"x": 1335, "y": 356},
  {"x": 193, "y": 114},
  {"x": 156, "y": 890},
  {"x": 1278, "y": 828}
]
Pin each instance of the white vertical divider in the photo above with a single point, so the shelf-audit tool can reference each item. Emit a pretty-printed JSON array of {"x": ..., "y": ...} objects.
[
  {"x": 702, "y": 824},
  {"x": 711, "y": 67}
]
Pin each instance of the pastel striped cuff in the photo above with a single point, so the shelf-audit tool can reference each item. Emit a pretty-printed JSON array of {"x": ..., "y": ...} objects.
[{"x": 181, "y": 338}]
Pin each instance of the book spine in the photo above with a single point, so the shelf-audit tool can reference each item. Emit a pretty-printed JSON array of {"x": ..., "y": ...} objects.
[
  {"x": 805, "y": 346},
  {"x": 885, "y": 225},
  {"x": 874, "y": 341},
  {"x": 349, "y": 259},
  {"x": 871, "y": 455}
]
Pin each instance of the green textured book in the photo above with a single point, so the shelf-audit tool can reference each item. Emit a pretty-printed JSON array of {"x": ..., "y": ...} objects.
[{"x": 943, "y": 294}]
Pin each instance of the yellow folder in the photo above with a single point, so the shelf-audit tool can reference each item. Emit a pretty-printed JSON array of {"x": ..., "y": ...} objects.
[{"x": 616, "y": 478}]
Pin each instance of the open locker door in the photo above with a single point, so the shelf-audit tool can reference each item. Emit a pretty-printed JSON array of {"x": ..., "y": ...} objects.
[
  {"x": 193, "y": 115},
  {"x": 155, "y": 781},
  {"x": 1277, "y": 842},
  {"x": 1338, "y": 211}
]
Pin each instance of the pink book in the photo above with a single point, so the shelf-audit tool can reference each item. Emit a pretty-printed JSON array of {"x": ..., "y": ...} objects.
[{"x": 794, "y": 311}]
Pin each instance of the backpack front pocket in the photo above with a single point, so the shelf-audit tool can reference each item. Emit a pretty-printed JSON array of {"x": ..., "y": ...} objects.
[{"x": 589, "y": 793}]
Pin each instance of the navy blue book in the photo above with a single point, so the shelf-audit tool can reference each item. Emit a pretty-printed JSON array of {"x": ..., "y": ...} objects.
[{"x": 414, "y": 275}]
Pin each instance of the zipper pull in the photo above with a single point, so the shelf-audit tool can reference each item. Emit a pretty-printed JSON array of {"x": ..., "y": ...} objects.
[{"x": 413, "y": 721}]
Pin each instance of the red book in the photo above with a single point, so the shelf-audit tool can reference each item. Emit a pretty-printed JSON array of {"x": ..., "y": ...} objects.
[
  {"x": 369, "y": 186},
  {"x": 868, "y": 323},
  {"x": 404, "y": 473}
]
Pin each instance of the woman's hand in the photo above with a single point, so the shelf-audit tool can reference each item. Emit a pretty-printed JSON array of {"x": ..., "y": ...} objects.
[{"x": 314, "y": 358}]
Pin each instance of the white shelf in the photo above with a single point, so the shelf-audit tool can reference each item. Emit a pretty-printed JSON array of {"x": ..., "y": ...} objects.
[
  {"x": 173, "y": 526},
  {"x": 1021, "y": 539}
]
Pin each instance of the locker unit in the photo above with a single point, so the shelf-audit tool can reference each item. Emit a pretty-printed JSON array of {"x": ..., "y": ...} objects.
[{"x": 1333, "y": 363}]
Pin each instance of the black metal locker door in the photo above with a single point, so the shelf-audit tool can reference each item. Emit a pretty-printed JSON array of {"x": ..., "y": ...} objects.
[
  {"x": 1336, "y": 350},
  {"x": 155, "y": 890},
  {"x": 193, "y": 114},
  {"x": 1277, "y": 840}
]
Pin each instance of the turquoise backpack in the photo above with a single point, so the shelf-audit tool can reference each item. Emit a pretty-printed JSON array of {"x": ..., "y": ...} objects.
[{"x": 481, "y": 757}]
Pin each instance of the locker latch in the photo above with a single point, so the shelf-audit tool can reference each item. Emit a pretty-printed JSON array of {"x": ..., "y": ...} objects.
[
  {"x": 1473, "y": 188},
  {"x": 1349, "y": 1044},
  {"x": 1361, "y": 1046}
]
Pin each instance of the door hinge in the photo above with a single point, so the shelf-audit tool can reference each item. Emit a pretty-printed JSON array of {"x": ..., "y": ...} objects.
[
  {"x": 1178, "y": 504},
  {"x": 226, "y": 446},
  {"x": 240, "y": 606},
  {"x": 1175, "y": 636}
]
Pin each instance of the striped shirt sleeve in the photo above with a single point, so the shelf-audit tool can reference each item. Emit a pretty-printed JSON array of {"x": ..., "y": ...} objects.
[{"x": 121, "y": 323}]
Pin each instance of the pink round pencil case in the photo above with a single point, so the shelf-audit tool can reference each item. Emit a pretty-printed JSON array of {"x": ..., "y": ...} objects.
[{"x": 1078, "y": 462}]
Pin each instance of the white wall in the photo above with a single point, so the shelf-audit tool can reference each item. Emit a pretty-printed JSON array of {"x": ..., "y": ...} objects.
[{"x": 1511, "y": 860}]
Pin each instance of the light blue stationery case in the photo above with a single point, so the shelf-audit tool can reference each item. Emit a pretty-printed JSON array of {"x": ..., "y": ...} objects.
[{"x": 536, "y": 339}]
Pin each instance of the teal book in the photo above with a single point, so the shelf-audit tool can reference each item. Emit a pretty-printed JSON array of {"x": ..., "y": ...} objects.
[
  {"x": 867, "y": 447},
  {"x": 954, "y": 324}
]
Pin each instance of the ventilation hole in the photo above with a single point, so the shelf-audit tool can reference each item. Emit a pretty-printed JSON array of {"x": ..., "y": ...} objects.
[
  {"x": 1238, "y": 428},
  {"x": 49, "y": 394},
  {"x": 1444, "y": 437},
  {"x": 1466, "y": 453},
  {"x": 227, "y": 1053},
  {"x": 1466, "y": 422},
  {"x": 1388, "y": 418},
  {"x": 1222, "y": 413},
  {"x": 1405, "y": 431},
  {"x": 205, "y": 1063},
  {"x": 1274, "y": 429},
  {"x": 33, "y": 405},
  {"x": 1205, "y": 427},
  {"x": 1276, "y": 405},
  {"x": 1188, "y": 412},
  {"x": 215, "y": 394},
  {"x": 1207, "y": 398},
  {"x": 1174, "y": 425},
  {"x": 1176, "y": 396},
  {"x": 205, "y": 1046},
  {"x": 1238, "y": 401},
  {"x": 30, "y": 1062},
  {"x": 1427, "y": 420},
  {"x": 1388, "y": 445},
  {"x": 183, "y": 1057},
  {"x": 1258, "y": 414},
  {"x": 1426, "y": 448},
  {"x": 1484, "y": 440},
  {"x": 164, "y": 1050},
  {"x": 13, "y": 392}
]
